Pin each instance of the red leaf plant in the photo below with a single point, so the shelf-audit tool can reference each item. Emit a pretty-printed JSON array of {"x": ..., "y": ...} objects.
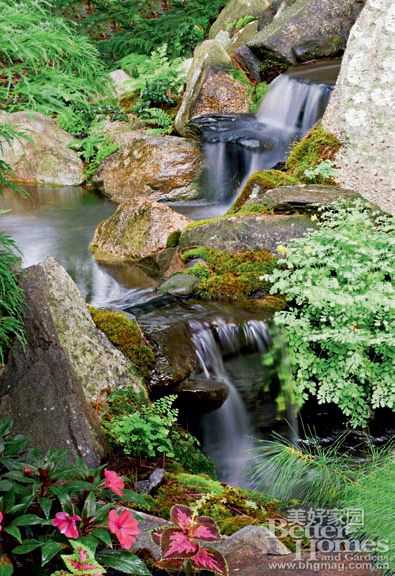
[{"x": 181, "y": 546}]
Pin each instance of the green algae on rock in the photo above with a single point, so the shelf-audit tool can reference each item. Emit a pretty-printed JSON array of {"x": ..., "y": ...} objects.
[{"x": 126, "y": 335}]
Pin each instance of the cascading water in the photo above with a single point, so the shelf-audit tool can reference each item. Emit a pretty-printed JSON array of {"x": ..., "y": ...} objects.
[
  {"x": 237, "y": 146},
  {"x": 227, "y": 432}
]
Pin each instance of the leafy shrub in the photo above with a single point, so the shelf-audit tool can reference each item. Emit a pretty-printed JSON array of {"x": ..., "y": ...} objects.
[
  {"x": 44, "y": 64},
  {"x": 11, "y": 297},
  {"x": 151, "y": 430},
  {"x": 45, "y": 502},
  {"x": 340, "y": 321},
  {"x": 125, "y": 334},
  {"x": 258, "y": 95},
  {"x": 323, "y": 172},
  {"x": 94, "y": 148}
]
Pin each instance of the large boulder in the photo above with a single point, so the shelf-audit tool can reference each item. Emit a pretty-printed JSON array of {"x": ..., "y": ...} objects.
[
  {"x": 306, "y": 30},
  {"x": 234, "y": 11},
  {"x": 299, "y": 197},
  {"x": 163, "y": 168},
  {"x": 68, "y": 367},
  {"x": 361, "y": 111},
  {"x": 211, "y": 88},
  {"x": 139, "y": 229},
  {"x": 43, "y": 156},
  {"x": 246, "y": 232}
]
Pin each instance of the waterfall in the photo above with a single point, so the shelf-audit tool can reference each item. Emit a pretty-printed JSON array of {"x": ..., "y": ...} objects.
[
  {"x": 237, "y": 146},
  {"x": 227, "y": 433}
]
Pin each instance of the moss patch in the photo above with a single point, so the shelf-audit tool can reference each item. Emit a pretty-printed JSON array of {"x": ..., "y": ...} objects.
[
  {"x": 316, "y": 147},
  {"x": 125, "y": 334},
  {"x": 265, "y": 180},
  {"x": 230, "y": 276}
]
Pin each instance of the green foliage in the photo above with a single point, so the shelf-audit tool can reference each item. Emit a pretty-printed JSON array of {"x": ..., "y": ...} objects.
[
  {"x": 240, "y": 76},
  {"x": 340, "y": 321},
  {"x": 323, "y": 172},
  {"x": 7, "y": 136},
  {"x": 94, "y": 148},
  {"x": 145, "y": 432},
  {"x": 45, "y": 65},
  {"x": 126, "y": 335},
  {"x": 328, "y": 477},
  {"x": 161, "y": 121},
  {"x": 34, "y": 489},
  {"x": 318, "y": 146},
  {"x": 258, "y": 95},
  {"x": 229, "y": 276},
  {"x": 120, "y": 28},
  {"x": 11, "y": 297},
  {"x": 242, "y": 22}
]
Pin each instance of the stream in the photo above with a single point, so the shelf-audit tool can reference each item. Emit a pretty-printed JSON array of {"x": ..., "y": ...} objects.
[{"x": 229, "y": 340}]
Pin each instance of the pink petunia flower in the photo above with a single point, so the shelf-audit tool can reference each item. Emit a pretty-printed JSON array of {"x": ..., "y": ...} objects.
[
  {"x": 66, "y": 524},
  {"x": 124, "y": 526},
  {"x": 114, "y": 482},
  {"x": 1, "y": 520}
]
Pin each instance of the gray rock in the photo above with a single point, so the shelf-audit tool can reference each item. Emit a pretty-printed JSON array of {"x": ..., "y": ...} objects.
[
  {"x": 248, "y": 545},
  {"x": 200, "y": 395},
  {"x": 139, "y": 229},
  {"x": 361, "y": 111},
  {"x": 119, "y": 80},
  {"x": 236, "y": 9},
  {"x": 210, "y": 87},
  {"x": 144, "y": 543},
  {"x": 247, "y": 60},
  {"x": 51, "y": 388},
  {"x": 246, "y": 232},
  {"x": 306, "y": 30},
  {"x": 155, "y": 480},
  {"x": 161, "y": 168},
  {"x": 301, "y": 197},
  {"x": 180, "y": 284},
  {"x": 44, "y": 155}
]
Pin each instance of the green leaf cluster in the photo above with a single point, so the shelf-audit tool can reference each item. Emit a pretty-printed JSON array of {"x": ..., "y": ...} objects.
[{"x": 339, "y": 324}]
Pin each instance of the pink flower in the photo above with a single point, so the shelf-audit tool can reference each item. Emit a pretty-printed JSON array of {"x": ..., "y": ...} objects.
[
  {"x": 1, "y": 520},
  {"x": 114, "y": 482},
  {"x": 66, "y": 524},
  {"x": 124, "y": 526}
]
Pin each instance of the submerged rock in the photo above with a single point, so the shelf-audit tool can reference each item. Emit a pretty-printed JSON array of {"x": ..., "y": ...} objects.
[
  {"x": 210, "y": 86},
  {"x": 361, "y": 111},
  {"x": 162, "y": 168},
  {"x": 43, "y": 156},
  {"x": 139, "y": 229},
  {"x": 300, "y": 197},
  {"x": 180, "y": 284},
  {"x": 306, "y": 30},
  {"x": 246, "y": 232},
  {"x": 67, "y": 367}
]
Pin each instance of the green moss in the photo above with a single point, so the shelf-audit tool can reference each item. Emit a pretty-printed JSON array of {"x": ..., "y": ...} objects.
[
  {"x": 172, "y": 241},
  {"x": 201, "y": 483},
  {"x": 265, "y": 180},
  {"x": 198, "y": 223},
  {"x": 230, "y": 276},
  {"x": 240, "y": 76},
  {"x": 258, "y": 94},
  {"x": 255, "y": 209},
  {"x": 125, "y": 334},
  {"x": 231, "y": 525},
  {"x": 316, "y": 147},
  {"x": 272, "y": 64}
]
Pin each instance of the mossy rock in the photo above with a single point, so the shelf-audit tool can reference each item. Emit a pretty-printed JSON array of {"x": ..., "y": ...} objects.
[
  {"x": 315, "y": 148},
  {"x": 230, "y": 276},
  {"x": 125, "y": 334},
  {"x": 258, "y": 184}
]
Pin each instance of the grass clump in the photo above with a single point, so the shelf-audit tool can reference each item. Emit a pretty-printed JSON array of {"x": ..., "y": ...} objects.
[
  {"x": 317, "y": 147},
  {"x": 229, "y": 276},
  {"x": 125, "y": 334}
]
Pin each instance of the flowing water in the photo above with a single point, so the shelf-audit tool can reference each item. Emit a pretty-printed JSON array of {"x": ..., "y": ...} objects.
[{"x": 228, "y": 340}]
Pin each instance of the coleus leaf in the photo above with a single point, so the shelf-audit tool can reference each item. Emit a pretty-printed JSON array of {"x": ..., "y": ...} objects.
[
  {"x": 181, "y": 516},
  {"x": 205, "y": 528},
  {"x": 176, "y": 544},
  {"x": 211, "y": 560},
  {"x": 175, "y": 564},
  {"x": 156, "y": 534}
]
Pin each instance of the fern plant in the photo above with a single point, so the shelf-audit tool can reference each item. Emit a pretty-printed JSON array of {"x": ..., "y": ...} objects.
[
  {"x": 94, "y": 148},
  {"x": 44, "y": 64}
]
